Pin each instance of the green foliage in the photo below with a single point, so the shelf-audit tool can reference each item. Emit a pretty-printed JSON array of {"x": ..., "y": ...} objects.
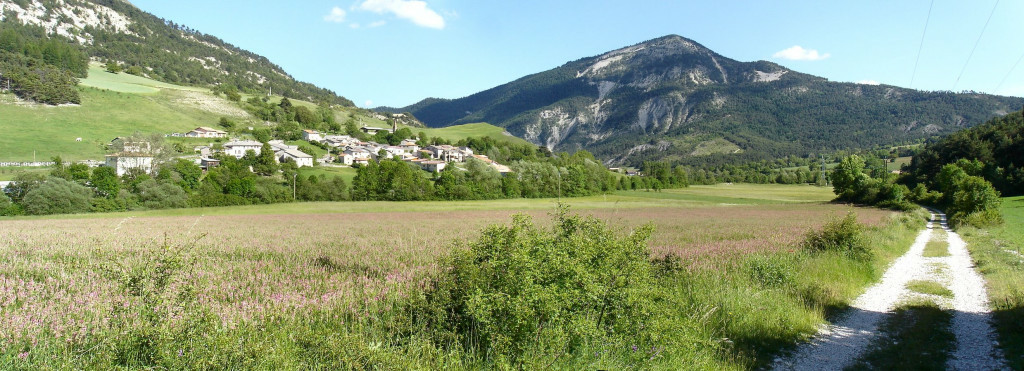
[
  {"x": 106, "y": 182},
  {"x": 851, "y": 184},
  {"x": 848, "y": 178},
  {"x": 992, "y": 150},
  {"x": 521, "y": 289},
  {"x": 844, "y": 236},
  {"x": 266, "y": 163},
  {"x": 226, "y": 123},
  {"x": 57, "y": 196},
  {"x": 391, "y": 180},
  {"x": 162, "y": 194},
  {"x": 5, "y": 204},
  {"x": 113, "y": 67},
  {"x": 771, "y": 271},
  {"x": 188, "y": 173},
  {"x": 975, "y": 202},
  {"x": 37, "y": 67},
  {"x": 319, "y": 188}
]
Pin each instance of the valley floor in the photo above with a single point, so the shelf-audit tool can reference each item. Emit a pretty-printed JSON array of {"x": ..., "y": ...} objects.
[{"x": 264, "y": 286}]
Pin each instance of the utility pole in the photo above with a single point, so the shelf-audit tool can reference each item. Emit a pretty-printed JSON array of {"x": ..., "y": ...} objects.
[
  {"x": 294, "y": 177},
  {"x": 823, "y": 170}
]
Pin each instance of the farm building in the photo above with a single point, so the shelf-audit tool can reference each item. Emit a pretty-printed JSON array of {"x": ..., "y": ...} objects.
[{"x": 206, "y": 132}]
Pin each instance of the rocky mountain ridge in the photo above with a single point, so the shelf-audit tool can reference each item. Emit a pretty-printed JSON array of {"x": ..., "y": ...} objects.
[{"x": 672, "y": 98}]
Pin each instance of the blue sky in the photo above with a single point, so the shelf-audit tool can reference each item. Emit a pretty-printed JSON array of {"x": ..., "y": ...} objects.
[{"x": 396, "y": 52}]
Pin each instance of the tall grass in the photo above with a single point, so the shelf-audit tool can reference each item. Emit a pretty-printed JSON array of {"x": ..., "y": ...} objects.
[{"x": 726, "y": 290}]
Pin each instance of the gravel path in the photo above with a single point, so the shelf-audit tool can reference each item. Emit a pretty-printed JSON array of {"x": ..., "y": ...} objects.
[
  {"x": 975, "y": 339},
  {"x": 838, "y": 345}
]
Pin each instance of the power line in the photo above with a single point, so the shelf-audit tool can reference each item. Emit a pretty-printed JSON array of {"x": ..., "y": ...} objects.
[
  {"x": 975, "y": 45},
  {"x": 921, "y": 46},
  {"x": 1008, "y": 74}
]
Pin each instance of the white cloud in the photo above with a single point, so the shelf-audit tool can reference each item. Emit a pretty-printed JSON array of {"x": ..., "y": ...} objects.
[
  {"x": 369, "y": 103},
  {"x": 798, "y": 53},
  {"x": 353, "y": 25},
  {"x": 869, "y": 82},
  {"x": 415, "y": 11},
  {"x": 377, "y": 24},
  {"x": 337, "y": 15}
]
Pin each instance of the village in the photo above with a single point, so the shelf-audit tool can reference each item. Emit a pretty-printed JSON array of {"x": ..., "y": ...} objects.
[{"x": 343, "y": 151}]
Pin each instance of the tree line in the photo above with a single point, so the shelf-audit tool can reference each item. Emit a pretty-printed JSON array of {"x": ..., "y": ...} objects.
[
  {"x": 259, "y": 179},
  {"x": 964, "y": 173}
]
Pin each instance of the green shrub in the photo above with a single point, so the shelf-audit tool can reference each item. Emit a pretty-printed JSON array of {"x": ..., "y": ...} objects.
[
  {"x": 975, "y": 202},
  {"x": 978, "y": 219},
  {"x": 58, "y": 196},
  {"x": 840, "y": 235},
  {"x": 161, "y": 195},
  {"x": 520, "y": 289}
]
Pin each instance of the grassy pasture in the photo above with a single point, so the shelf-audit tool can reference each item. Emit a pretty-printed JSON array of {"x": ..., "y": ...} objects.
[
  {"x": 456, "y": 132},
  {"x": 112, "y": 106},
  {"x": 346, "y": 173},
  {"x": 267, "y": 282}
]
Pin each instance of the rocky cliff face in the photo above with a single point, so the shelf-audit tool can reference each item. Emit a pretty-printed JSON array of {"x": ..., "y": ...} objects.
[{"x": 672, "y": 98}]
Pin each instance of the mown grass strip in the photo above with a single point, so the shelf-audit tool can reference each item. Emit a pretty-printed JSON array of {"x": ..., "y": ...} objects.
[
  {"x": 937, "y": 247},
  {"x": 916, "y": 337},
  {"x": 929, "y": 288}
]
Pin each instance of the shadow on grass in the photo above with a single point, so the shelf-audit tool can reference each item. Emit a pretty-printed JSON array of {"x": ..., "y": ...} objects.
[
  {"x": 916, "y": 337},
  {"x": 1009, "y": 324}
]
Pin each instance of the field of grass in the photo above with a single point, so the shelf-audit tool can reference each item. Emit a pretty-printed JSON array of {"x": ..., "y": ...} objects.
[
  {"x": 997, "y": 251},
  {"x": 346, "y": 173},
  {"x": 9, "y": 172},
  {"x": 303, "y": 285},
  {"x": 112, "y": 106},
  {"x": 456, "y": 132},
  {"x": 898, "y": 163},
  {"x": 126, "y": 83}
]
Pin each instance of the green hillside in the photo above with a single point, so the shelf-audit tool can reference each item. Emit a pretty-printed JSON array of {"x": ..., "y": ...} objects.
[
  {"x": 116, "y": 105},
  {"x": 112, "y": 106},
  {"x": 456, "y": 132}
]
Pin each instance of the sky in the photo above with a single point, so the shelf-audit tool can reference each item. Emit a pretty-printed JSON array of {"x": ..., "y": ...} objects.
[{"x": 397, "y": 52}]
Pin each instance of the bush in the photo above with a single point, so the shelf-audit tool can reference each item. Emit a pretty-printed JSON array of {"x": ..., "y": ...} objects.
[
  {"x": 57, "y": 196},
  {"x": 844, "y": 236},
  {"x": 161, "y": 195},
  {"x": 975, "y": 200},
  {"x": 977, "y": 219},
  {"x": 5, "y": 204},
  {"x": 520, "y": 290}
]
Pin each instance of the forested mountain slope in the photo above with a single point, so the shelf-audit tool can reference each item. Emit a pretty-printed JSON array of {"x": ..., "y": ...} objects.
[{"x": 115, "y": 30}]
